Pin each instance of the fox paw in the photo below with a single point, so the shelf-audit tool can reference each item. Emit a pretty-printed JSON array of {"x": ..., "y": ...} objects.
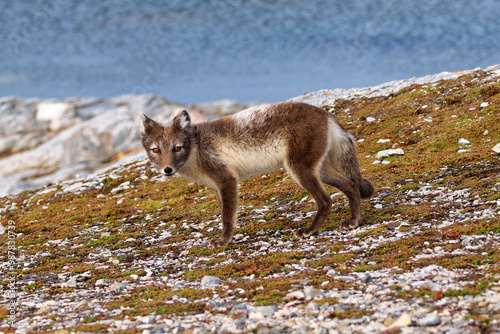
[
  {"x": 219, "y": 242},
  {"x": 349, "y": 224},
  {"x": 303, "y": 233}
]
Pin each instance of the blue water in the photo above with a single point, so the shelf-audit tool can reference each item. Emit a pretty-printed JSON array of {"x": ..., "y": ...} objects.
[{"x": 200, "y": 50}]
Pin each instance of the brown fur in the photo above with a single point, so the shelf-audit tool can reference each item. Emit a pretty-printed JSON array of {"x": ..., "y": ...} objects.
[{"x": 307, "y": 141}]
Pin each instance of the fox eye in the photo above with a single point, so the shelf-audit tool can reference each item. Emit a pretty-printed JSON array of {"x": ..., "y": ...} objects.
[
  {"x": 155, "y": 150},
  {"x": 177, "y": 148}
]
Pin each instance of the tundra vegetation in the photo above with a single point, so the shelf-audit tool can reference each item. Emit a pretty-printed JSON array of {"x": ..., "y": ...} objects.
[{"x": 97, "y": 254}]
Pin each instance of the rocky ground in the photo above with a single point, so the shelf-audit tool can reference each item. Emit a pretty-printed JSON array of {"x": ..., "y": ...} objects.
[{"x": 126, "y": 251}]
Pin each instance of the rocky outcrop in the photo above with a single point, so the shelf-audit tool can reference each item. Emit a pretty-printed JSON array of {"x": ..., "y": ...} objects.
[{"x": 47, "y": 141}]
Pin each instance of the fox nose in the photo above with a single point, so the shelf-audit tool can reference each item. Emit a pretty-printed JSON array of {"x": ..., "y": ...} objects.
[{"x": 168, "y": 170}]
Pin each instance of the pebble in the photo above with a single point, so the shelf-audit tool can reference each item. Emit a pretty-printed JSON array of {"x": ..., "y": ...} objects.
[
  {"x": 312, "y": 293},
  {"x": 211, "y": 281},
  {"x": 432, "y": 319},
  {"x": 403, "y": 321},
  {"x": 295, "y": 295},
  {"x": 331, "y": 273},
  {"x": 71, "y": 283},
  {"x": 116, "y": 287},
  {"x": 463, "y": 141},
  {"x": 312, "y": 308},
  {"x": 389, "y": 152}
]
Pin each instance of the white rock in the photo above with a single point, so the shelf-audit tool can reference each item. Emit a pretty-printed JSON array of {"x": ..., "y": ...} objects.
[
  {"x": 312, "y": 293},
  {"x": 331, "y": 273},
  {"x": 116, "y": 287},
  {"x": 484, "y": 104},
  {"x": 211, "y": 281},
  {"x": 403, "y": 321},
  {"x": 50, "y": 111},
  {"x": 381, "y": 141},
  {"x": 312, "y": 308},
  {"x": 370, "y": 119},
  {"x": 346, "y": 278},
  {"x": 389, "y": 152},
  {"x": 60, "y": 115},
  {"x": 71, "y": 283},
  {"x": 2, "y": 229},
  {"x": 463, "y": 141},
  {"x": 295, "y": 295},
  {"x": 102, "y": 281},
  {"x": 430, "y": 320},
  {"x": 496, "y": 148},
  {"x": 266, "y": 311}
]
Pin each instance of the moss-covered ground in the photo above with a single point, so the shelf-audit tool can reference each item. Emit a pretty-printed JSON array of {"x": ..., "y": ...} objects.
[{"x": 105, "y": 234}]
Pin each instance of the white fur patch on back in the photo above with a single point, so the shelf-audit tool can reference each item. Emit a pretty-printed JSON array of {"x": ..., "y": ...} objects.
[{"x": 250, "y": 115}]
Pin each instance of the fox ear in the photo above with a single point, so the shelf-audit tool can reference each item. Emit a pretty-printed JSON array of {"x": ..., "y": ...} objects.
[
  {"x": 183, "y": 120},
  {"x": 146, "y": 124}
]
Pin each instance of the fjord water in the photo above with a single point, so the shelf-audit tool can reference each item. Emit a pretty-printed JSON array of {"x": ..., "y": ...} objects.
[{"x": 201, "y": 50}]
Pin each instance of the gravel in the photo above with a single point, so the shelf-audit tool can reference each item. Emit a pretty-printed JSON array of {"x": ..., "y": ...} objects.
[{"x": 306, "y": 308}]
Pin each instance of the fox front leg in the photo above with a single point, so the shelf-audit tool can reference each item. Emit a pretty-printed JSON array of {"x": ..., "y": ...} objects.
[{"x": 227, "y": 194}]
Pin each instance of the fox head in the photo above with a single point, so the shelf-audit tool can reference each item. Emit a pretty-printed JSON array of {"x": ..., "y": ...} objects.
[{"x": 167, "y": 145}]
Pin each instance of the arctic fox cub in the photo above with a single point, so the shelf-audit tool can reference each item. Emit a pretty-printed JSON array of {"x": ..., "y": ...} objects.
[{"x": 307, "y": 141}]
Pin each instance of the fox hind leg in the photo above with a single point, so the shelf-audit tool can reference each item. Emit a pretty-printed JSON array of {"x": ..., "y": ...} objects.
[
  {"x": 350, "y": 188},
  {"x": 307, "y": 178}
]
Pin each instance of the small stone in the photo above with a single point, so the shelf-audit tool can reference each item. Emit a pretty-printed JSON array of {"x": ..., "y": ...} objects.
[
  {"x": 331, "y": 273},
  {"x": 239, "y": 311},
  {"x": 496, "y": 148},
  {"x": 61, "y": 331},
  {"x": 432, "y": 319},
  {"x": 266, "y": 311},
  {"x": 116, "y": 287},
  {"x": 102, "y": 281},
  {"x": 256, "y": 316},
  {"x": 367, "y": 279},
  {"x": 312, "y": 308},
  {"x": 134, "y": 276},
  {"x": 81, "y": 304},
  {"x": 211, "y": 281},
  {"x": 389, "y": 152},
  {"x": 484, "y": 104},
  {"x": 295, "y": 295},
  {"x": 403, "y": 321},
  {"x": 463, "y": 141},
  {"x": 346, "y": 278},
  {"x": 370, "y": 119},
  {"x": 381, "y": 141},
  {"x": 71, "y": 283},
  {"x": 312, "y": 293}
]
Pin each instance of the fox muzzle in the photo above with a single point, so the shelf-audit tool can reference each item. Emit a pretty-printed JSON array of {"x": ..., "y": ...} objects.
[{"x": 169, "y": 171}]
